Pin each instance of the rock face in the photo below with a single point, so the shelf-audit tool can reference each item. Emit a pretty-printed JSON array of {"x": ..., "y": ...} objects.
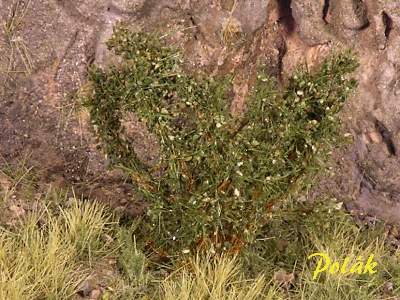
[
  {"x": 350, "y": 14},
  {"x": 251, "y": 14},
  {"x": 57, "y": 40},
  {"x": 311, "y": 26}
]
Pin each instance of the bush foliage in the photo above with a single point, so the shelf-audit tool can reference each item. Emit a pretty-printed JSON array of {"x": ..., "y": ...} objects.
[{"x": 218, "y": 176}]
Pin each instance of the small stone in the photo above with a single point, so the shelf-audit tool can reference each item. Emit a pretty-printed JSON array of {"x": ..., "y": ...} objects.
[
  {"x": 85, "y": 289},
  {"x": 95, "y": 294},
  {"x": 5, "y": 183},
  {"x": 17, "y": 211},
  {"x": 365, "y": 139},
  {"x": 339, "y": 206},
  {"x": 284, "y": 278},
  {"x": 281, "y": 245},
  {"x": 388, "y": 287},
  {"x": 375, "y": 137}
]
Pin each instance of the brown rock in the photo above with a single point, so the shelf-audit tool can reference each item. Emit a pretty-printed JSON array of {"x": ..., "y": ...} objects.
[
  {"x": 95, "y": 294},
  {"x": 251, "y": 14},
  {"x": 375, "y": 137},
  {"x": 17, "y": 211},
  {"x": 5, "y": 183},
  {"x": 145, "y": 144},
  {"x": 310, "y": 25},
  {"x": 283, "y": 277},
  {"x": 349, "y": 15},
  {"x": 227, "y": 4}
]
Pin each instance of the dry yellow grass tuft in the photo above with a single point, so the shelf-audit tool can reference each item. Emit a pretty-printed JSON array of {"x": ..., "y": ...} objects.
[
  {"x": 47, "y": 256},
  {"x": 215, "y": 278},
  {"x": 231, "y": 28}
]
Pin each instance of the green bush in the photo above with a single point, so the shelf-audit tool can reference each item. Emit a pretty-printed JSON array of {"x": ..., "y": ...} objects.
[{"x": 217, "y": 175}]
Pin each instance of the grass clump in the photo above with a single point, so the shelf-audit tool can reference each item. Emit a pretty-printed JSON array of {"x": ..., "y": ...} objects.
[
  {"x": 15, "y": 57},
  {"x": 46, "y": 257},
  {"x": 85, "y": 225},
  {"x": 136, "y": 278},
  {"x": 217, "y": 277},
  {"x": 217, "y": 175},
  {"x": 283, "y": 247},
  {"x": 42, "y": 257},
  {"x": 301, "y": 229},
  {"x": 53, "y": 250},
  {"x": 132, "y": 261}
]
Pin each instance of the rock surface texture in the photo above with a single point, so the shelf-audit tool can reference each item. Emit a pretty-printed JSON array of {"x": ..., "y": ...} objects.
[{"x": 46, "y": 48}]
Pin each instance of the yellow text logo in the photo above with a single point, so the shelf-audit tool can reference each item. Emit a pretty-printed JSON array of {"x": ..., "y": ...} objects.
[{"x": 325, "y": 264}]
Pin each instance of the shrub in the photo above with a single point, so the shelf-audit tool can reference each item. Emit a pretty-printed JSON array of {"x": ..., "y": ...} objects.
[{"x": 217, "y": 176}]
